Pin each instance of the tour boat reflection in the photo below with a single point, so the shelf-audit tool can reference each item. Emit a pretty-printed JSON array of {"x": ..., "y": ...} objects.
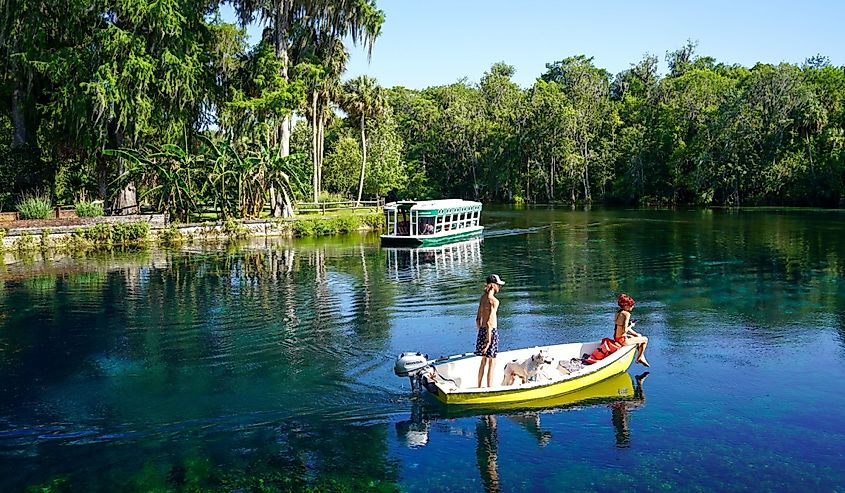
[
  {"x": 453, "y": 259},
  {"x": 619, "y": 393}
]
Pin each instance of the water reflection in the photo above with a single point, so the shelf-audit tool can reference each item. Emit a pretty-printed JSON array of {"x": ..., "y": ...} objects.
[
  {"x": 487, "y": 452},
  {"x": 620, "y": 412},
  {"x": 274, "y": 356},
  {"x": 619, "y": 394},
  {"x": 444, "y": 260}
]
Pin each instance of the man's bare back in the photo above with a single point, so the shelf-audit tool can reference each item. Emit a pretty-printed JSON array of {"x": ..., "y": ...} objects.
[{"x": 487, "y": 307}]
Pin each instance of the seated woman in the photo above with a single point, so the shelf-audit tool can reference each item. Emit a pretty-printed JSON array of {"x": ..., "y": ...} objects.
[{"x": 624, "y": 332}]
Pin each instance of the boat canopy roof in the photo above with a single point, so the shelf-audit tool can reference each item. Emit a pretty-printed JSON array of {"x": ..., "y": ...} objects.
[{"x": 434, "y": 207}]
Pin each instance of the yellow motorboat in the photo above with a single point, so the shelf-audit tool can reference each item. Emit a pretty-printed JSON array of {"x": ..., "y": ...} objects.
[{"x": 556, "y": 372}]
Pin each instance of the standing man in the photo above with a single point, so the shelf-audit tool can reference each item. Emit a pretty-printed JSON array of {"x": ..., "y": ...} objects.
[{"x": 487, "y": 341}]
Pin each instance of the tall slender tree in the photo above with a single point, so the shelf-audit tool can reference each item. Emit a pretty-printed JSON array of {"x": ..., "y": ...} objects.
[{"x": 363, "y": 99}]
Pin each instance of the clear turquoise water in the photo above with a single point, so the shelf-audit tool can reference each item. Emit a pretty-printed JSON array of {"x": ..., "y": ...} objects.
[{"x": 267, "y": 366}]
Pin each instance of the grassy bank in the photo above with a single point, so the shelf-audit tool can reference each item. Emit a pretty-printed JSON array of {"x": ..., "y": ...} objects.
[{"x": 139, "y": 234}]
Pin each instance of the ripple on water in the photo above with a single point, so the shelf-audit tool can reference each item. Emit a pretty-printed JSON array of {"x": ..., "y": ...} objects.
[{"x": 286, "y": 350}]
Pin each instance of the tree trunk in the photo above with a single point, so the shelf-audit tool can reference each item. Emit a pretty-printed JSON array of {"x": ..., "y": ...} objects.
[
  {"x": 363, "y": 161},
  {"x": 126, "y": 201},
  {"x": 810, "y": 154},
  {"x": 287, "y": 203},
  {"x": 20, "y": 137},
  {"x": 280, "y": 26},
  {"x": 586, "y": 175},
  {"x": 275, "y": 207},
  {"x": 321, "y": 141},
  {"x": 315, "y": 180},
  {"x": 527, "y": 179},
  {"x": 102, "y": 170}
]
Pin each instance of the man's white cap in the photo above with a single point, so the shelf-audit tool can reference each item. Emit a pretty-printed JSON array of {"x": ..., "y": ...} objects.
[{"x": 494, "y": 279}]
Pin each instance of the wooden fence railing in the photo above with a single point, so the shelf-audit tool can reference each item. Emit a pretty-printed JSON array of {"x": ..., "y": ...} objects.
[{"x": 323, "y": 207}]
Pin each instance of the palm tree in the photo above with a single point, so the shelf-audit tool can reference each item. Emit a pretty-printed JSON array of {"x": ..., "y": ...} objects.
[
  {"x": 363, "y": 98},
  {"x": 320, "y": 59},
  {"x": 360, "y": 20}
]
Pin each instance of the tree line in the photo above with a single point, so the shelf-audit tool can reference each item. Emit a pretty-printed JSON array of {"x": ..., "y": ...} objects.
[
  {"x": 705, "y": 133},
  {"x": 165, "y": 103}
]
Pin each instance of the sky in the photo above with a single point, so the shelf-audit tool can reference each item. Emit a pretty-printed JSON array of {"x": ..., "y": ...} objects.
[{"x": 433, "y": 42}]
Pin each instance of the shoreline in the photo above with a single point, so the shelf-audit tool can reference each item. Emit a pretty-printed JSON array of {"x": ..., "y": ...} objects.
[{"x": 143, "y": 231}]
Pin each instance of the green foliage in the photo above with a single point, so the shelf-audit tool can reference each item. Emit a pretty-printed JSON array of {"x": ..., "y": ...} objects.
[
  {"x": 102, "y": 236},
  {"x": 145, "y": 77},
  {"x": 347, "y": 224},
  {"x": 45, "y": 239},
  {"x": 35, "y": 206},
  {"x": 387, "y": 170},
  {"x": 135, "y": 233},
  {"x": 373, "y": 220},
  {"x": 234, "y": 230},
  {"x": 332, "y": 225},
  {"x": 170, "y": 236},
  {"x": 332, "y": 197},
  {"x": 89, "y": 209},
  {"x": 99, "y": 234},
  {"x": 304, "y": 227},
  {"x": 342, "y": 165},
  {"x": 25, "y": 242}
]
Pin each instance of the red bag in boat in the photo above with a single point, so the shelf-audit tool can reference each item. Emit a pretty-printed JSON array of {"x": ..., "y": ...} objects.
[{"x": 605, "y": 349}]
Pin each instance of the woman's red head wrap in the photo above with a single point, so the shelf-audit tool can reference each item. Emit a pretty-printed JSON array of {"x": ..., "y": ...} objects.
[{"x": 625, "y": 301}]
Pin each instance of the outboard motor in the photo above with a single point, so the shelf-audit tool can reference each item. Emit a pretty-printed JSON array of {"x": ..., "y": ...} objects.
[{"x": 411, "y": 365}]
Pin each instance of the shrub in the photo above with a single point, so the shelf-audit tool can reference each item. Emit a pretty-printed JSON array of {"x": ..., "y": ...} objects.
[
  {"x": 130, "y": 233},
  {"x": 75, "y": 242},
  {"x": 35, "y": 206},
  {"x": 234, "y": 230},
  {"x": 24, "y": 242},
  {"x": 170, "y": 236},
  {"x": 99, "y": 234},
  {"x": 45, "y": 239},
  {"x": 89, "y": 209},
  {"x": 332, "y": 197},
  {"x": 374, "y": 220},
  {"x": 325, "y": 226},
  {"x": 303, "y": 227},
  {"x": 346, "y": 224}
]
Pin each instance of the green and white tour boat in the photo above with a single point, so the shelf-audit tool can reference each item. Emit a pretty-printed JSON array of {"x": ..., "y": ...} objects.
[{"x": 431, "y": 222}]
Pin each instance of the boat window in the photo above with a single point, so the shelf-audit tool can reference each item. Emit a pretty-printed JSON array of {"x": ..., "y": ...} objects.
[
  {"x": 438, "y": 225},
  {"x": 403, "y": 224},
  {"x": 426, "y": 226},
  {"x": 388, "y": 219}
]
